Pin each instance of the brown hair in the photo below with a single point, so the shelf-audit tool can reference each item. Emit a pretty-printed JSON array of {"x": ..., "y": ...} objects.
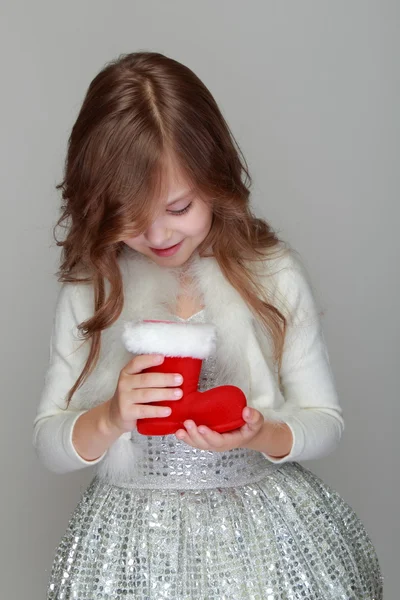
[{"x": 139, "y": 109}]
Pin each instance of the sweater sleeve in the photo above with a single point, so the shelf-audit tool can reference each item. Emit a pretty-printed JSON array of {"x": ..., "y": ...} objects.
[
  {"x": 54, "y": 421},
  {"x": 313, "y": 412}
]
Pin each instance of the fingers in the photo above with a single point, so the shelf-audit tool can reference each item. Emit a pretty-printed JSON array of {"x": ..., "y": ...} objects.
[
  {"x": 254, "y": 419},
  {"x": 136, "y": 392},
  {"x": 222, "y": 441},
  {"x": 154, "y": 380},
  {"x": 204, "y": 438},
  {"x": 149, "y": 386},
  {"x": 145, "y": 395},
  {"x": 192, "y": 436},
  {"x": 142, "y": 411},
  {"x": 143, "y": 361},
  {"x": 212, "y": 438}
]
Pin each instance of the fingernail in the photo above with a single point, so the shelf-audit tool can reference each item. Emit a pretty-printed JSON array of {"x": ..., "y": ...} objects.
[
  {"x": 177, "y": 393},
  {"x": 178, "y": 378},
  {"x": 166, "y": 411}
]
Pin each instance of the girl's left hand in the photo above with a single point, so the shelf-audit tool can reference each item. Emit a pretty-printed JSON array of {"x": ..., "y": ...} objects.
[{"x": 204, "y": 438}]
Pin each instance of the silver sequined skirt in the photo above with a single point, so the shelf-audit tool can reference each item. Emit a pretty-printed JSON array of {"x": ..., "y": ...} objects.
[{"x": 287, "y": 535}]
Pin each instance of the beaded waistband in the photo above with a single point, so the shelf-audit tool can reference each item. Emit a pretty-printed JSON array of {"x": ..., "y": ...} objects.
[
  {"x": 201, "y": 484},
  {"x": 175, "y": 465}
]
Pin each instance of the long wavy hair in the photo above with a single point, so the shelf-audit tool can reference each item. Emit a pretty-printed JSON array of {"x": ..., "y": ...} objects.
[{"x": 139, "y": 109}]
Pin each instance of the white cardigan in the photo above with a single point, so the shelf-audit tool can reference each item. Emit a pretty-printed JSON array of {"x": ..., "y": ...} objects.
[{"x": 306, "y": 400}]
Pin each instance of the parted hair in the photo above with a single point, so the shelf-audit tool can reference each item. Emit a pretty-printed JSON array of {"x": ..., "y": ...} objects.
[{"x": 139, "y": 110}]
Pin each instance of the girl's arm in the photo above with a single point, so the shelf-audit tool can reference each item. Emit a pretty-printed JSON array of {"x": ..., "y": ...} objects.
[
  {"x": 312, "y": 411},
  {"x": 54, "y": 423}
]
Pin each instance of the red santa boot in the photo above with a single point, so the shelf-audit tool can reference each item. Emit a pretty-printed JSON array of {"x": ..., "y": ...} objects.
[{"x": 184, "y": 346}]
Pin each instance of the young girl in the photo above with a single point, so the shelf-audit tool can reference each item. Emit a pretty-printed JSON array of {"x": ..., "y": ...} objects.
[{"x": 159, "y": 227}]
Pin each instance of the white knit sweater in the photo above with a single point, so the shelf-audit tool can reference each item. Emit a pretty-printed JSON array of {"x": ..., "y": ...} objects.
[{"x": 306, "y": 400}]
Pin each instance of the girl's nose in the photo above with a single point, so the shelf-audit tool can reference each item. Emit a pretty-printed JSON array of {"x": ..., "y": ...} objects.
[{"x": 157, "y": 236}]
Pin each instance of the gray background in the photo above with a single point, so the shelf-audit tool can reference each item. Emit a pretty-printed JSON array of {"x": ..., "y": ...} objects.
[{"x": 311, "y": 91}]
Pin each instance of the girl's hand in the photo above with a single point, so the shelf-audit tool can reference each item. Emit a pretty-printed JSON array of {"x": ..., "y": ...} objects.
[
  {"x": 136, "y": 390},
  {"x": 204, "y": 438}
]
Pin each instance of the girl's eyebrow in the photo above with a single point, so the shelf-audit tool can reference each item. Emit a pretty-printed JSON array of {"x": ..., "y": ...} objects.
[{"x": 182, "y": 196}]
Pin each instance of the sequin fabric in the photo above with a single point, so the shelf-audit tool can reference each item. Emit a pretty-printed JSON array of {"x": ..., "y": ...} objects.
[{"x": 200, "y": 525}]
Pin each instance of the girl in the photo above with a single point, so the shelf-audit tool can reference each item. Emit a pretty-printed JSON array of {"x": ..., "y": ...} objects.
[{"x": 159, "y": 227}]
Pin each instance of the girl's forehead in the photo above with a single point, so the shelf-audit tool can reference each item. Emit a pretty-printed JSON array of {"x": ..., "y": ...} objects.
[
  {"x": 173, "y": 186},
  {"x": 172, "y": 179}
]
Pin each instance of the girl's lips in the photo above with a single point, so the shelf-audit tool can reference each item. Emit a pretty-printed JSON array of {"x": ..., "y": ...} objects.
[{"x": 167, "y": 251}]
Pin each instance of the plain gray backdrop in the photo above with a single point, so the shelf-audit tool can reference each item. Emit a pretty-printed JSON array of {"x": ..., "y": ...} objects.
[{"x": 311, "y": 92}]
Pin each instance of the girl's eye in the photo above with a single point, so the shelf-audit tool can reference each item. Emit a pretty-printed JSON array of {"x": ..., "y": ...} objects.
[{"x": 182, "y": 211}]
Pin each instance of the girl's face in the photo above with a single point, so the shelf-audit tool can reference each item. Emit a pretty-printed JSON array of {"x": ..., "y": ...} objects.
[{"x": 183, "y": 222}]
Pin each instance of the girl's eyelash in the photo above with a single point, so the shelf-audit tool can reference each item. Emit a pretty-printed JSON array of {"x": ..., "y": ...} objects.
[{"x": 183, "y": 211}]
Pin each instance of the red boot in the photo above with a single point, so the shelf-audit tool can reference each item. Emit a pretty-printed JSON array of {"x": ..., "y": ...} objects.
[{"x": 184, "y": 346}]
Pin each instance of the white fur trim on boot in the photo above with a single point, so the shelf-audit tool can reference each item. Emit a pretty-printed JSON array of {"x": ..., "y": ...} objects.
[{"x": 196, "y": 340}]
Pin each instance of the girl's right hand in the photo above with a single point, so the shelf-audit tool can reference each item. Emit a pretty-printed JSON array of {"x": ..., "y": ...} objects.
[{"x": 136, "y": 390}]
